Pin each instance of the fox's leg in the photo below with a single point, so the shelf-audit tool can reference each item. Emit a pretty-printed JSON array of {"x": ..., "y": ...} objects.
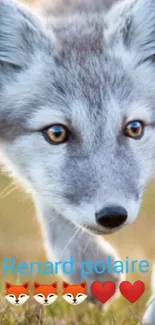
[
  {"x": 63, "y": 240},
  {"x": 149, "y": 315}
]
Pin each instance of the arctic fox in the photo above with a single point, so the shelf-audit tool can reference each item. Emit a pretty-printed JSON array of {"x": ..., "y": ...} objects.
[{"x": 77, "y": 119}]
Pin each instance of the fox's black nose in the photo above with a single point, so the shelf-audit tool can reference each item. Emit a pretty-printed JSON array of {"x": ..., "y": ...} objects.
[
  {"x": 17, "y": 300},
  {"x": 74, "y": 300},
  {"x": 111, "y": 217},
  {"x": 46, "y": 300}
]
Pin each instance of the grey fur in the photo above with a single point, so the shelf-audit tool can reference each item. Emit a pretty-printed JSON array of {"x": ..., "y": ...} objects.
[
  {"x": 93, "y": 72},
  {"x": 68, "y": 7}
]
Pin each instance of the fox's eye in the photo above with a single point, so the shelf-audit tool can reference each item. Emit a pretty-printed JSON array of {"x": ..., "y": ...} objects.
[
  {"x": 80, "y": 295},
  {"x": 41, "y": 296},
  {"x": 56, "y": 134},
  {"x": 134, "y": 129},
  {"x": 11, "y": 296},
  {"x": 51, "y": 296},
  {"x": 69, "y": 295},
  {"x": 22, "y": 296}
]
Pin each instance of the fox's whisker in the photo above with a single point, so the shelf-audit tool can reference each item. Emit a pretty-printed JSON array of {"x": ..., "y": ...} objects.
[{"x": 69, "y": 242}]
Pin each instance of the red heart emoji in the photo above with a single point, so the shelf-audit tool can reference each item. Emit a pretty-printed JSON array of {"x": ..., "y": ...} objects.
[
  {"x": 132, "y": 292},
  {"x": 103, "y": 292}
]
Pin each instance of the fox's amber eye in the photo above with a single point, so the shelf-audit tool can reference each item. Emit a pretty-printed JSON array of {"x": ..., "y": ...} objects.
[
  {"x": 56, "y": 134},
  {"x": 134, "y": 129}
]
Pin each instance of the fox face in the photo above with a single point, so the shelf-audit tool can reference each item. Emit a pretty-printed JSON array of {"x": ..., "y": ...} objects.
[
  {"x": 80, "y": 96},
  {"x": 17, "y": 295},
  {"x": 45, "y": 294},
  {"x": 75, "y": 294}
]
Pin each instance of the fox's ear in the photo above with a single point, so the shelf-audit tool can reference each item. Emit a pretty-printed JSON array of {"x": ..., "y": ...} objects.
[
  {"x": 83, "y": 284},
  {"x": 7, "y": 285},
  {"x": 22, "y": 35},
  {"x": 134, "y": 27},
  {"x": 54, "y": 285},
  {"x": 25, "y": 285},
  {"x": 65, "y": 285},
  {"x": 36, "y": 285}
]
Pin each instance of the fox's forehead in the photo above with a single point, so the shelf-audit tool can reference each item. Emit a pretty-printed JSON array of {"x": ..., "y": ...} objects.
[
  {"x": 87, "y": 66},
  {"x": 74, "y": 289},
  {"x": 80, "y": 84},
  {"x": 45, "y": 290},
  {"x": 17, "y": 290}
]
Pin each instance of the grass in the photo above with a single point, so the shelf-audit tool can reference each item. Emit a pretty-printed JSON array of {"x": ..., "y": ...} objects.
[
  {"x": 19, "y": 238},
  {"x": 122, "y": 313}
]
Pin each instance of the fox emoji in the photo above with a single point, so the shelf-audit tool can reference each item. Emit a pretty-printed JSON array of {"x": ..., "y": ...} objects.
[
  {"x": 17, "y": 295},
  {"x": 45, "y": 294},
  {"x": 75, "y": 294}
]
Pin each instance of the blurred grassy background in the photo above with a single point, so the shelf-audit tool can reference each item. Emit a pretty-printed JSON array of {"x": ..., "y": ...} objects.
[{"x": 20, "y": 237}]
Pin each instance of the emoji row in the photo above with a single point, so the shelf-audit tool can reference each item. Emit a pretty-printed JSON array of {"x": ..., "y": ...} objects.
[{"x": 74, "y": 294}]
